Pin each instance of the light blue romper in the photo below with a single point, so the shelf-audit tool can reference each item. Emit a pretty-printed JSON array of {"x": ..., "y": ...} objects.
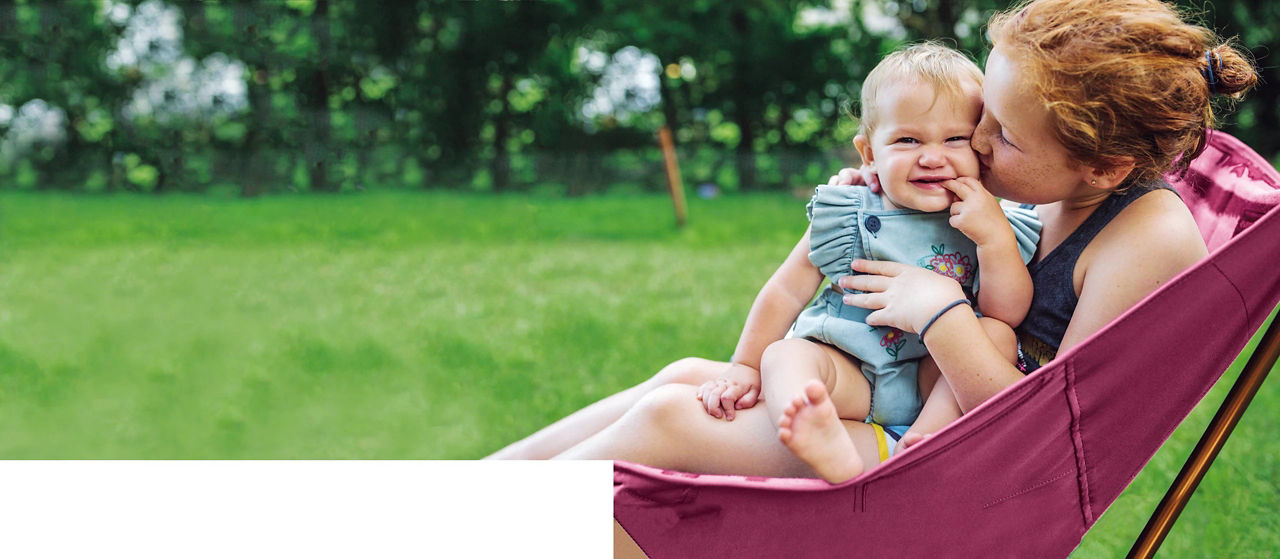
[{"x": 849, "y": 222}]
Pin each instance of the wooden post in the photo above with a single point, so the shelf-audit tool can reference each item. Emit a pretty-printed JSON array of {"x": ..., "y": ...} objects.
[{"x": 673, "y": 174}]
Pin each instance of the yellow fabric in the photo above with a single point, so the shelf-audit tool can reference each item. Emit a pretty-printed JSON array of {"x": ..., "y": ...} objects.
[{"x": 882, "y": 444}]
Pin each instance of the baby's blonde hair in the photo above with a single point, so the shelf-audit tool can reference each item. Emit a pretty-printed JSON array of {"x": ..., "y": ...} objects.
[{"x": 928, "y": 62}]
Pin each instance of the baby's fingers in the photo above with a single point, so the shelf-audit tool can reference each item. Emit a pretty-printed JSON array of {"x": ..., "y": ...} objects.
[
  {"x": 865, "y": 283},
  {"x": 961, "y": 189},
  {"x": 729, "y": 399},
  {"x": 711, "y": 400},
  {"x": 879, "y": 267},
  {"x": 706, "y": 387},
  {"x": 749, "y": 399},
  {"x": 704, "y": 394},
  {"x": 973, "y": 184},
  {"x": 712, "y": 406},
  {"x": 876, "y": 318},
  {"x": 872, "y": 301}
]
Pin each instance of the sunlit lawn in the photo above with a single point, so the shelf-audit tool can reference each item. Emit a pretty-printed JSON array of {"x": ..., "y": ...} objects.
[{"x": 426, "y": 325}]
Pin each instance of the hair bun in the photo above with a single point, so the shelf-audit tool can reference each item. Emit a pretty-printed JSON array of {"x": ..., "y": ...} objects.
[
  {"x": 1227, "y": 71},
  {"x": 1212, "y": 69}
]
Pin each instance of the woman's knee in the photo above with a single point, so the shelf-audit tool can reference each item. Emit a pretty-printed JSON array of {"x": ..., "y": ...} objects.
[
  {"x": 666, "y": 407},
  {"x": 1002, "y": 336},
  {"x": 690, "y": 370}
]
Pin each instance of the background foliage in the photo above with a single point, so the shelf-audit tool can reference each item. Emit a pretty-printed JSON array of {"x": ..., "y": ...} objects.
[{"x": 561, "y": 96}]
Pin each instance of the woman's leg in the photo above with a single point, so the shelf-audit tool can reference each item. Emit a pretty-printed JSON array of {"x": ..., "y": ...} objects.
[
  {"x": 668, "y": 428},
  {"x": 559, "y": 436}
]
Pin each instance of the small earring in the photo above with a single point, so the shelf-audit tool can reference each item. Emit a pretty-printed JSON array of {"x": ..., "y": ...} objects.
[{"x": 1093, "y": 182}]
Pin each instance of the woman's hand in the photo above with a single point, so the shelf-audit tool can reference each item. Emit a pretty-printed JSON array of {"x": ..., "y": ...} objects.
[
  {"x": 977, "y": 213},
  {"x": 900, "y": 295},
  {"x": 738, "y": 388},
  {"x": 860, "y": 176}
]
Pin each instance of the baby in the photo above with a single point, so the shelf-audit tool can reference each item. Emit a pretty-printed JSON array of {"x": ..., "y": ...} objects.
[{"x": 919, "y": 107}]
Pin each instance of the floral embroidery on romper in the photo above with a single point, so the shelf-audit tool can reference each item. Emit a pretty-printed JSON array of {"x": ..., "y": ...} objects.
[
  {"x": 955, "y": 265},
  {"x": 893, "y": 342}
]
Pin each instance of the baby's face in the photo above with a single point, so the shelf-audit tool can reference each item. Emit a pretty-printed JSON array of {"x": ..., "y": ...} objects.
[{"x": 921, "y": 141}]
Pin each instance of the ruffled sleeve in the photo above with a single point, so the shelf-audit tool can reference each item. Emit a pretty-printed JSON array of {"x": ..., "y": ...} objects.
[
  {"x": 833, "y": 228},
  {"x": 1026, "y": 229}
]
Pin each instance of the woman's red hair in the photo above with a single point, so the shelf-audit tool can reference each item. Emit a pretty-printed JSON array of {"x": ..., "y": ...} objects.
[{"x": 1123, "y": 79}]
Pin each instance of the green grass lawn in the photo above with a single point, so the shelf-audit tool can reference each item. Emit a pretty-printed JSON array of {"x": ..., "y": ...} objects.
[{"x": 427, "y": 325}]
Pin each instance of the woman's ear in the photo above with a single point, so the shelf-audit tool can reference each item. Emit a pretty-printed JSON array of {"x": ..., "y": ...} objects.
[
  {"x": 863, "y": 146},
  {"x": 1108, "y": 178}
]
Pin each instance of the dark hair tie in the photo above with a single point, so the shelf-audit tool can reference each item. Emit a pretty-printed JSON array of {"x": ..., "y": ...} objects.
[{"x": 1212, "y": 69}]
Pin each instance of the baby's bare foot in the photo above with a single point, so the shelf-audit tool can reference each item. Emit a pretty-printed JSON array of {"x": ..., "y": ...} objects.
[{"x": 813, "y": 431}]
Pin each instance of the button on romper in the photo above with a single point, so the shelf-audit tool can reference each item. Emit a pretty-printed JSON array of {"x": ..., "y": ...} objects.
[{"x": 850, "y": 222}]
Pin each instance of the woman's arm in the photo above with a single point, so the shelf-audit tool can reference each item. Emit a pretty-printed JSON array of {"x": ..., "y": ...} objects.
[{"x": 972, "y": 365}]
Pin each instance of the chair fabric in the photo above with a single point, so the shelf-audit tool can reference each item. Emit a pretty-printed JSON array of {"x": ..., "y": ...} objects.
[{"x": 1029, "y": 471}]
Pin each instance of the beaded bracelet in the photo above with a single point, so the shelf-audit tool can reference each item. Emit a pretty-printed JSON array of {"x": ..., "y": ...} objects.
[{"x": 935, "y": 318}]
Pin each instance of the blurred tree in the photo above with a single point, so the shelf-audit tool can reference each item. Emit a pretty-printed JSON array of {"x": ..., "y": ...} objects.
[
  {"x": 46, "y": 48},
  {"x": 485, "y": 52},
  {"x": 304, "y": 60},
  {"x": 959, "y": 22},
  {"x": 329, "y": 94},
  {"x": 752, "y": 63},
  {"x": 316, "y": 97}
]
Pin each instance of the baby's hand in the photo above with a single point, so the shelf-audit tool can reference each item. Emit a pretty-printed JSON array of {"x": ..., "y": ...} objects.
[
  {"x": 738, "y": 388},
  {"x": 977, "y": 213}
]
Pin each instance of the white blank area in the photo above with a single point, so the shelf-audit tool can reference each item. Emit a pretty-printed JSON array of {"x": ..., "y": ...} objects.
[{"x": 305, "y": 509}]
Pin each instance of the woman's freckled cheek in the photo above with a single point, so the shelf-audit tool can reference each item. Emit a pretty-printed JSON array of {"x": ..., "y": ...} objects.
[{"x": 1024, "y": 168}]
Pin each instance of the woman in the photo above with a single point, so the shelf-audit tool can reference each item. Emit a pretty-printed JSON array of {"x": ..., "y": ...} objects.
[{"x": 1087, "y": 104}]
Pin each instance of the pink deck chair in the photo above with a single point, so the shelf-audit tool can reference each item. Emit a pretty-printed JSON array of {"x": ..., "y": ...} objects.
[{"x": 1029, "y": 471}]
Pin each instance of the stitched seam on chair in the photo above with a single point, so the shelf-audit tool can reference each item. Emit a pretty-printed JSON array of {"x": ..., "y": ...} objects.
[
  {"x": 1077, "y": 442},
  {"x": 1028, "y": 489},
  {"x": 684, "y": 498},
  {"x": 1030, "y": 386},
  {"x": 1132, "y": 474},
  {"x": 1243, "y": 303}
]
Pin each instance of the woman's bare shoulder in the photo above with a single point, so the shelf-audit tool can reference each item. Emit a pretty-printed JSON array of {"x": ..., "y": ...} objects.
[
  {"x": 1155, "y": 225},
  {"x": 1146, "y": 245}
]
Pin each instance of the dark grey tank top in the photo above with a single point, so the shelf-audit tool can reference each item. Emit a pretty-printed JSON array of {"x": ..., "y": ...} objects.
[{"x": 1054, "y": 297}]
